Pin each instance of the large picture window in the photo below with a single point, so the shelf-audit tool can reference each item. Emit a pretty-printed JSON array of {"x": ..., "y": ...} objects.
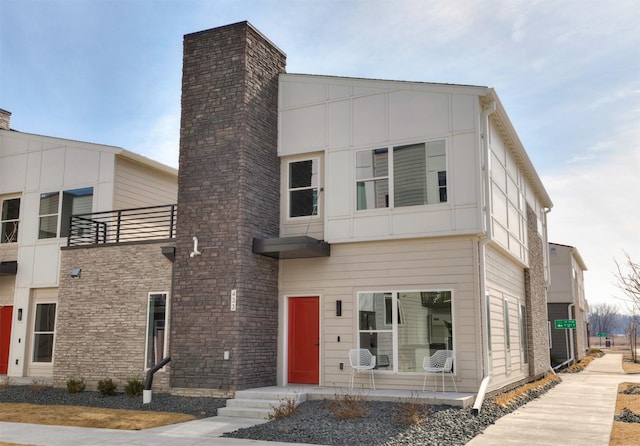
[
  {"x": 303, "y": 188},
  {"x": 57, "y": 208},
  {"x": 156, "y": 329},
  {"x": 402, "y": 327},
  {"x": 418, "y": 176},
  {"x": 9, "y": 220}
]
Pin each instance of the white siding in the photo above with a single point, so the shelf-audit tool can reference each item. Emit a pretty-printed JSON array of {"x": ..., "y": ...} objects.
[
  {"x": 418, "y": 264},
  {"x": 137, "y": 185},
  {"x": 505, "y": 280},
  {"x": 340, "y": 116}
]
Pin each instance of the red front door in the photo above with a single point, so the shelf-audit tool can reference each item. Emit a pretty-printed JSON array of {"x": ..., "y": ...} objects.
[
  {"x": 304, "y": 340},
  {"x": 5, "y": 337}
]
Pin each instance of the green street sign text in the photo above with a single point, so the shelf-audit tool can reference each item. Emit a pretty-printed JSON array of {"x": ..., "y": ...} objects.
[
  {"x": 565, "y": 323},
  {"x": 602, "y": 335}
]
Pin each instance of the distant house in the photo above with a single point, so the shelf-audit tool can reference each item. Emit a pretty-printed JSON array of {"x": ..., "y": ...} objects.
[
  {"x": 318, "y": 214},
  {"x": 43, "y": 181},
  {"x": 566, "y": 301}
]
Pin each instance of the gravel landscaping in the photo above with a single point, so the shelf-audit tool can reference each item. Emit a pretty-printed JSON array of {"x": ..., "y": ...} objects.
[
  {"x": 161, "y": 402},
  {"x": 384, "y": 423}
]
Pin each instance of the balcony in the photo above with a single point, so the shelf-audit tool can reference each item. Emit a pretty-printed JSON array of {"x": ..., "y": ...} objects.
[{"x": 138, "y": 225}]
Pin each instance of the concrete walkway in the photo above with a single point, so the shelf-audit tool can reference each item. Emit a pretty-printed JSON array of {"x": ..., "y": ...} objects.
[{"x": 578, "y": 411}]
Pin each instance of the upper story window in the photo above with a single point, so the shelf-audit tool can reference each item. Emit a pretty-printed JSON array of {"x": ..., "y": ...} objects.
[
  {"x": 9, "y": 220},
  {"x": 56, "y": 209},
  {"x": 303, "y": 188},
  {"x": 418, "y": 176}
]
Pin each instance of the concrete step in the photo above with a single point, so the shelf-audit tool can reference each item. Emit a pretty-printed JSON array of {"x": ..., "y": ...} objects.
[
  {"x": 258, "y": 403},
  {"x": 243, "y": 412}
]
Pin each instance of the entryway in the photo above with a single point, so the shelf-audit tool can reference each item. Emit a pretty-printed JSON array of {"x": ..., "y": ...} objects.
[
  {"x": 6, "y": 314},
  {"x": 303, "y": 358}
]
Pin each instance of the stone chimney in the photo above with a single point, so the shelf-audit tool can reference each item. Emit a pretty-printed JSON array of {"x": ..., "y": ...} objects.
[
  {"x": 224, "y": 306},
  {"x": 5, "y": 118}
]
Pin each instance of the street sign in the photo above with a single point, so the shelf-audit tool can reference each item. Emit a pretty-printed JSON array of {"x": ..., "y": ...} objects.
[
  {"x": 602, "y": 335},
  {"x": 565, "y": 323}
]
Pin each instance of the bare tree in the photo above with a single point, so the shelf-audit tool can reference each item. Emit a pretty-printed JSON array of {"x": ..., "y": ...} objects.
[
  {"x": 628, "y": 280},
  {"x": 604, "y": 318}
]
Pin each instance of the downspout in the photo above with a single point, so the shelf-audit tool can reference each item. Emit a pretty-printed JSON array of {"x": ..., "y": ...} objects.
[
  {"x": 571, "y": 349},
  {"x": 488, "y": 231}
]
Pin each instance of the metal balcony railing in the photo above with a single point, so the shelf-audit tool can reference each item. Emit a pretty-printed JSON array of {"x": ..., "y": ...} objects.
[{"x": 123, "y": 226}]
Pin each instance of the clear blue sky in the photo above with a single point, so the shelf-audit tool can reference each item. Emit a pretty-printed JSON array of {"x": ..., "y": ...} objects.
[{"x": 567, "y": 72}]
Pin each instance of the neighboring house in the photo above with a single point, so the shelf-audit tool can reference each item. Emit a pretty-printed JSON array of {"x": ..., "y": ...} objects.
[
  {"x": 317, "y": 214},
  {"x": 43, "y": 181},
  {"x": 566, "y": 301}
]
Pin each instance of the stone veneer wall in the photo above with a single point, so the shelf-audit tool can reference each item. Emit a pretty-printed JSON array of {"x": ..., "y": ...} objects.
[
  {"x": 536, "y": 299},
  {"x": 228, "y": 193},
  {"x": 102, "y": 315}
]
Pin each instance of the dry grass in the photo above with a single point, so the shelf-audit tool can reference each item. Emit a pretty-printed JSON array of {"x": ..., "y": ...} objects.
[
  {"x": 88, "y": 416},
  {"x": 285, "y": 409},
  {"x": 4, "y": 443},
  {"x": 347, "y": 406},
  {"x": 624, "y": 434},
  {"x": 412, "y": 412},
  {"x": 505, "y": 399}
]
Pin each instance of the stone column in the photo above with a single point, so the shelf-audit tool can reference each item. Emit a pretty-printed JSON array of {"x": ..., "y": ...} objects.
[{"x": 228, "y": 193}]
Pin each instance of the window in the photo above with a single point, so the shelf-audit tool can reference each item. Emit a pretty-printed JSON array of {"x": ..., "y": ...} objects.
[
  {"x": 156, "y": 329},
  {"x": 419, "y": 176},
  {"x": 303, "y": 188},
  {"x": 9, "y": 220},
  {"x": 43, "y": 332},
  {"x": 403, "y": 327},
  {"x": 56, "y": 213},
  {"x": 372, "y": 176},
  {"x": 507, "y": 333}
]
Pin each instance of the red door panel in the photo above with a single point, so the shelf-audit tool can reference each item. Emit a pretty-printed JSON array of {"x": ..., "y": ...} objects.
[
  {"x": 5, "y": 337},
  {"x": 304, "y": 340}
]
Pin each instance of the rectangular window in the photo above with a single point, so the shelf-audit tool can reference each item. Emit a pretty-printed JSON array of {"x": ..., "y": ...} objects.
[
  {"x": 56, "y": 213},
  {"x": 401, "y": 328},
  {"x": 43, "y": 332},
  {"x": 10, "y": 218},
  {"x": 418, "y": 176},
  {"x": 303, "y": 188},
  {"x": 507, "y": 334},
  {"x": 156, "y": 329},
  {"x": 372, "y": 179}
]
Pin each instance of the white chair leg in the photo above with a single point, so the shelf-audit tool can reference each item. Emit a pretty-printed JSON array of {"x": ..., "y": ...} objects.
[
  {"x": 424, "y": 383},
  {"x": 373, "y": 380},
  {"x": 351, "y": 382},
  {"x": 454, "y": 383},
  {"x": 442, "y": 382}
]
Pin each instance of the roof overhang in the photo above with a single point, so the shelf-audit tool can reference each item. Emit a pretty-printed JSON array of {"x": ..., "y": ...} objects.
[
  {"x": 299, "y": 247},
  {"x": 8, "y": 268}
]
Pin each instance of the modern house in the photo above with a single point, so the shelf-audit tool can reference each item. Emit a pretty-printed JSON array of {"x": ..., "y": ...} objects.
[
  {"x": 566, "y": 302},
  {"x": 43, "y": 181},
  {"x": 317, "y": 214}
]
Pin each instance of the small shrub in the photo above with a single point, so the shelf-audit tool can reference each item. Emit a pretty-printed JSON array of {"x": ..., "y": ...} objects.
[
  {"x": 348, "y": 406},
  {"x": 5, "y": 382},
  {"x": 286, "y": 409},
  {"x": 107, "y": 387},
  {"x": 75, "y": 385},
  {"x": 412, "y": 411},
  {"x": 134, "y": 387},
  {"x": 522, "y": 392},
  {"x": 38, "y": 386}
]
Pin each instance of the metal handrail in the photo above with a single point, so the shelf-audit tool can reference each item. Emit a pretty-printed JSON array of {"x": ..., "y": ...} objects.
[{"x": 123, "y": 225}]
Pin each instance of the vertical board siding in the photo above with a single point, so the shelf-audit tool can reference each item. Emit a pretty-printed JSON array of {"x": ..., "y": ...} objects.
[
  {"x": 136, "y": 186},
  {"x": 418, "y": 264},
  {"x": 505, "y": 279}
]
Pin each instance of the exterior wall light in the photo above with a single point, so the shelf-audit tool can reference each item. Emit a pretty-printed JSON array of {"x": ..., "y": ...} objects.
[{"x": 75, "y": 273}]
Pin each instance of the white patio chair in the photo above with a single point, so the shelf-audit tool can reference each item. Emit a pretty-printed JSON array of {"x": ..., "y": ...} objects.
[
  {"x": 361, "y": 360},
  {"x": 440, "y": 362}
]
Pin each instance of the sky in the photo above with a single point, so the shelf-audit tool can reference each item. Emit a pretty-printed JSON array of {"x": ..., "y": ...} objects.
[{"x": 567, "y": 73}]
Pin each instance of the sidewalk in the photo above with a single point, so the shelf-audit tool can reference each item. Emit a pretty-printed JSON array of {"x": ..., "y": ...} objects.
[{"x": 578, "y": 411}]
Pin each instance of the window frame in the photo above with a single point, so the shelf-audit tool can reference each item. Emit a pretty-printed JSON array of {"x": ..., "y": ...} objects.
[
  {"x": 440, "y": 189},
  {"x": 317, "y": 187},
  {"x": 15, "y": 221},
  {"x": 165, "y": 346},
  {"x": 399, "y": 321},
  {"x": 61, "y": 210},
  {"x": 35, "y": 333}
]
